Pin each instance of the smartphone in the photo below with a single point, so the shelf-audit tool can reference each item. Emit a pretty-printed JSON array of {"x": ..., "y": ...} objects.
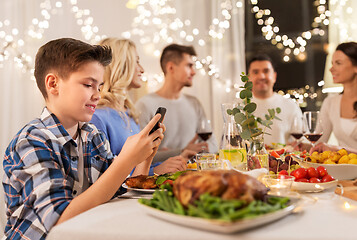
[{"x": 162, "y": 111}]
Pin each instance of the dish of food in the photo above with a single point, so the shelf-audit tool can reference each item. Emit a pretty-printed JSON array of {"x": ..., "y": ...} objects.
[
  {"x": 217, "y": 225},
  {"x": 141, "y": 190},
  {"x": 313, "y": 187},
  {"x": 144, "y": 183},
  {"x": 223, "y": 201},
  {"x": 338, "y": 171}
]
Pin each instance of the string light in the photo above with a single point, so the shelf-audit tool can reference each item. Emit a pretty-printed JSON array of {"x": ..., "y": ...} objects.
[
  {"x": 339, "y": 14},
  {"x": 293, "y": 47},
  {"x": 157, "y": 24},
  {"x": 12, "y": 45}
]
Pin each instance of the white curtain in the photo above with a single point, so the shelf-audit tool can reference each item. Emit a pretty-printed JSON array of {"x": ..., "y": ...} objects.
[
  {"x": 342, "y": 28},
  {"x": 20, "y": 99}
]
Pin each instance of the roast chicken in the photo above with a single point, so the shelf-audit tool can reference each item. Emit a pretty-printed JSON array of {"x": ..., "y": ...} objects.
[
  {"x": 141, "y": 181},
  {"x": 227, "y": 184}
]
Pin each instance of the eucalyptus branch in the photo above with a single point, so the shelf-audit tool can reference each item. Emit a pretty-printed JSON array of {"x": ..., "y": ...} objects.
[{"x": 243, "y": 113}]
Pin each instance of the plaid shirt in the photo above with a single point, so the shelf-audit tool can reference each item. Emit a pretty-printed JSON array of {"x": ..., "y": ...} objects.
[{"x": 40, "y": 167}]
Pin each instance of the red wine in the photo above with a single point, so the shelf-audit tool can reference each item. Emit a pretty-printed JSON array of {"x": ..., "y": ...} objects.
[
  {"x": 297, "y": 136},
  {"x": 205, "y": 135},
  {"x": 313, "y": 137}
]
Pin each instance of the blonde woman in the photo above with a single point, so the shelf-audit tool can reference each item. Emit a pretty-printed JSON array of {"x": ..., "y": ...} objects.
[{"x": 116, "y": 115}]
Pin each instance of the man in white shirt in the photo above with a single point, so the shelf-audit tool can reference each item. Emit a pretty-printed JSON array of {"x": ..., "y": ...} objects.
[
  {"x": 263, "y": 76},
  {"x": 184, "y": 112}
]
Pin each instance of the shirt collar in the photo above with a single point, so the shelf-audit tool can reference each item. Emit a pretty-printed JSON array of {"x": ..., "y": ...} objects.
[{"x": 52, "y": 123}]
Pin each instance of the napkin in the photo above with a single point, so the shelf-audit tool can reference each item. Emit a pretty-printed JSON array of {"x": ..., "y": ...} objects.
[
  {"x": 347, "y": 188},
  {"x": 256, "y": 173}
]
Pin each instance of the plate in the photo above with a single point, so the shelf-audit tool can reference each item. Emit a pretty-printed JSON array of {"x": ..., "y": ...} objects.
[
  {"x": 218, "y": 225},
  {"x": 338, "y": 171},
  {"x": 139, "y": 189},
  {"x": 313, "y": 187}
]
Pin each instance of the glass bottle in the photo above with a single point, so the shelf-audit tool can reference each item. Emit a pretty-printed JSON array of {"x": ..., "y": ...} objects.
[
  {"x": 258, "y": 156},
  {"x": 232, "y": 147}
]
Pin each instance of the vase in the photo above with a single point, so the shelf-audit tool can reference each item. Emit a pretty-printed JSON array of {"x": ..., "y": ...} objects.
[{"x": 258, "y": 156}]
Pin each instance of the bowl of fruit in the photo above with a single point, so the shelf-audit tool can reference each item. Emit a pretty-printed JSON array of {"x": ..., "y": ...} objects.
[
  {"x": 312, "y": 179},
  {"x": 341, "y": 164}
]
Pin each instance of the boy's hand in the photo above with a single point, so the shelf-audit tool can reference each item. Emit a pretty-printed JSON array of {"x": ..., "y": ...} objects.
[
  {"x": 142, "y": 146},
  {"x": 171, "y": 165}
]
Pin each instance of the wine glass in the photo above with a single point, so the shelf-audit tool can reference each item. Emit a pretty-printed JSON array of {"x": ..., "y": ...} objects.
[
  {"x": 204, "y": 130},
  {"x": 297, "y": 129},
  {"x": 313, "y": 126}
]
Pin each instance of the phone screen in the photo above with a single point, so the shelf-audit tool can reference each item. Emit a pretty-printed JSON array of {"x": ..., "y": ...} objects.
[{"x": 162, "y": 111}]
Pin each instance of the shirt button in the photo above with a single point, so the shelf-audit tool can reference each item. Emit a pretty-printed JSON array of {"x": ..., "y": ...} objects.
[
  {"x": 74, "y": 158},
  {"x": 74, "y": 192}
]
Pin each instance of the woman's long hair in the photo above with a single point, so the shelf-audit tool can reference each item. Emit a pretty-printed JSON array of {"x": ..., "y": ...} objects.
[
  {"x": 350, "y": 49},
  {"x": 118, "y": 76}
]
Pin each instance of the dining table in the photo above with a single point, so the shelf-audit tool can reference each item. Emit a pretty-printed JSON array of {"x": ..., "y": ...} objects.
[{"x": 319, "y": 216}]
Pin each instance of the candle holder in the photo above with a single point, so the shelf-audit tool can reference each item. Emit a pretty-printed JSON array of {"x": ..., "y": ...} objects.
[{"x": 279, "y": 185}]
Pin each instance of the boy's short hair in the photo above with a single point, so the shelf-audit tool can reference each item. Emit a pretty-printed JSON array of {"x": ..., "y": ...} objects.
[
  {"x": 261, "y": 57},
  {"x": 174, "y": 53},
  {"x": 66, "y": 55}
]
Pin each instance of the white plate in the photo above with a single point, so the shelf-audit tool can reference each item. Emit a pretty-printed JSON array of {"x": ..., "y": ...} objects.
[
  {"x": 139, "y": 189},
  {"x": 338, "y": 171},
  {"x": 313, "y": 187},
  {"x": 217, "y": 225}
]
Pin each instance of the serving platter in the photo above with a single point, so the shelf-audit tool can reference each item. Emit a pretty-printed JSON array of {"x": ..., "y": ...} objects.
[
  {"x": 219, "y": 225},
  {"x": 313, "y": 187}
]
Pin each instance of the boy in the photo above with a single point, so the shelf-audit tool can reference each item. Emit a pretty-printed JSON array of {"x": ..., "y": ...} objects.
[{"x": 59, "y": 166}]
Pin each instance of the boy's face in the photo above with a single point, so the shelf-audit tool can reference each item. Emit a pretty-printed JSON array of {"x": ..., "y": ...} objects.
[{"x": 76, "y": 97}]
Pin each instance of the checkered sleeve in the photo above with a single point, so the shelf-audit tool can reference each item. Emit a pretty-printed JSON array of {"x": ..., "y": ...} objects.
[{"x": 36, "y": 189}]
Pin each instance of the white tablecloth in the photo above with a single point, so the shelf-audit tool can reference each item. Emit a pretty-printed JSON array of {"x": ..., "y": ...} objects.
[{"x": 324, "y": 217}]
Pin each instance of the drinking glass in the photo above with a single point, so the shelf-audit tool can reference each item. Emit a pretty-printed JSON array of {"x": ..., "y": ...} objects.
[
  {"x": 313, "y": 126},
  {"x": 207, "y": 161},
  {"x": 297, "y": 129},
  {"x": 204, "y": 130}
]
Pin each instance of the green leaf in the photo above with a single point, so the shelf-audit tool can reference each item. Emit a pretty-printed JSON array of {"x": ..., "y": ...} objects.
[
  {"x": 248, "y": 85},
  {"x": 235, "y": 111},
  {"x": 278, "y": 110},
  {"x": 257, "y": 134},
  {"x": 239, "y": 118},
  {"x": 267, "y": 117},
  {"x": 245, "y": 134},
  {"x": 271, "y": 112},
  {"x": 248, "y": 121},
  {"x": 277, "y": 118},
  {"x": 245, "y": 94},
  {"x": 250, "y": 107},
  {"x": 244, "y": 78},
  {"x": 267, "y": 123}
]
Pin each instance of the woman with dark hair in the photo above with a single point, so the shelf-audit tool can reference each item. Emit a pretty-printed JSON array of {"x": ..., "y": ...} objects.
[{"x": 339, "y": 112}]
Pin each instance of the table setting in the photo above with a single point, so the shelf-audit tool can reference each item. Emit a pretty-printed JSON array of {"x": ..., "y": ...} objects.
[{"x": 245, "y": 191}]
